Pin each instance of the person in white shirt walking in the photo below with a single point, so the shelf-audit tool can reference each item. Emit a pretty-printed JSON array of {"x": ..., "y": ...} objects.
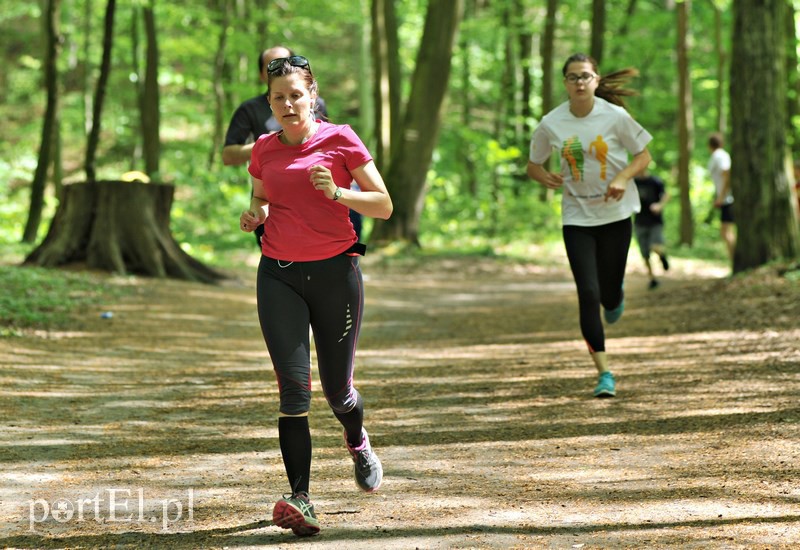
[{"x": 719, "y": 168}]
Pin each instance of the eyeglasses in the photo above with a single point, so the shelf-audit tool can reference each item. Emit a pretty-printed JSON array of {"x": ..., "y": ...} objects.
[
  {"x": 585, "y": 78},
  {"x": 294, "y": 61}
]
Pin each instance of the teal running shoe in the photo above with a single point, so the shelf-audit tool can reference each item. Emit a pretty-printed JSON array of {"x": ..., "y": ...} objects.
[
  {"x": 613, "y": 315},
  {"x": 296, "y": 513},
  {"x": 605, "y": 385}
]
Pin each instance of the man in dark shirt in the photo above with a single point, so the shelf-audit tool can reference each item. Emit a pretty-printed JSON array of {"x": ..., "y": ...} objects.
[
  {"x": 254, "y": 117},
  {"x": 649, "y": 222}
]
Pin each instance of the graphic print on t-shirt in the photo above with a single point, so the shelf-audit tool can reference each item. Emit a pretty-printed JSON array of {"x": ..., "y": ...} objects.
[
  {"x": 600, "y": 148},
  {"x": 572, "y": 152}
]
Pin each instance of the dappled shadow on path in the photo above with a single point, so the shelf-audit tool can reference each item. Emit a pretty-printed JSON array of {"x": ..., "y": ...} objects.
[
  {"x": 478, "y": 395},
  {"x": 247, "y": 535}
]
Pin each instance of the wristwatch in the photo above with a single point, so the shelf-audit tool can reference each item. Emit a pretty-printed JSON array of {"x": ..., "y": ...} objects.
[{"x": 337, "y": 194}]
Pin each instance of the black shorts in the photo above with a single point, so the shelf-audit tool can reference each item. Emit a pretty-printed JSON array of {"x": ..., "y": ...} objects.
[{"x": 726, "y": 213}]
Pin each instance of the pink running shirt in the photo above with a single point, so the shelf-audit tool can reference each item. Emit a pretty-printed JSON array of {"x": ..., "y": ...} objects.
[{"x": 303, "y": 225}]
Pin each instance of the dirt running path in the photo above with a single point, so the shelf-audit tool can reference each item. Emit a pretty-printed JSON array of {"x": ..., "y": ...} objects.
[{"x": 156, "y": 428}]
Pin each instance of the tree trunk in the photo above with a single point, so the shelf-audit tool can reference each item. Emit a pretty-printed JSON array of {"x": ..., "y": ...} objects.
[
  {"x": 685, "y": 125},
  {"x": 387, "y": 86},
  {"x": 767, "y": 226},
  {"x": 39, "y": 182},
  {"x": 598, "y": 29},
  {"x": 100, "y": 92},
  {"x": 793, "y": 74},
  {"x": 548, "y": 80},
  {"x": 88, "y": 33},
  {"x": 151, "y": 119},
  {"x": 366, "y": 94},
  {"x": 466, "y": 150},
  {"x": 217, "y": 80},
  {"x": 408, "y": 169},
  {"x": 719, "y": 47},
  {"x": 96, "y": 225}
]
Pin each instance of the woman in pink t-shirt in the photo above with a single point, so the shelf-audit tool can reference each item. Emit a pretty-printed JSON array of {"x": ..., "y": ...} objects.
[{"x": 309, "y": 274}]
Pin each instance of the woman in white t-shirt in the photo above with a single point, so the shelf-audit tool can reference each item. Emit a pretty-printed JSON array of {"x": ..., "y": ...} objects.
[{"x": 601, "y": 149}]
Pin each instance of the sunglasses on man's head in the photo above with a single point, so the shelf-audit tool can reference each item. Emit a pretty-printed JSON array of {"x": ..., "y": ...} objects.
[{"x": 294, "y": 61}]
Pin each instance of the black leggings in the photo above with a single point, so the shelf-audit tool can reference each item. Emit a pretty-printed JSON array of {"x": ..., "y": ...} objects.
[
  {"x": 328, "y": 295},
  {"x": 597, "y": 256}
]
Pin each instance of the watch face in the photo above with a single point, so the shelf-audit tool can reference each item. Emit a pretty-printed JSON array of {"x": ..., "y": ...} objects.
[{"x": 337, "y": 194}]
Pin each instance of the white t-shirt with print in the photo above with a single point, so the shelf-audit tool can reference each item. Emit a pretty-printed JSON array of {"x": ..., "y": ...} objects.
[{"x": 593, "y": 149}]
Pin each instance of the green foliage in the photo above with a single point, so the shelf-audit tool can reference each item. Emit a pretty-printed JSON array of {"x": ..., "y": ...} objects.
[
  {"x": 502, "y": 207},
  {"x": 47, "y": 298}
]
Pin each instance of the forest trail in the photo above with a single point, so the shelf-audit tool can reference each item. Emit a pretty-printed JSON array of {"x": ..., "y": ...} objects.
[{"x": 156, "y": 428}]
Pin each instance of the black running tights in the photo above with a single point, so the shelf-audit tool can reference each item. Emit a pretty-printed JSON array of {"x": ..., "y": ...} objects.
[{"x": 597, "y": 256}]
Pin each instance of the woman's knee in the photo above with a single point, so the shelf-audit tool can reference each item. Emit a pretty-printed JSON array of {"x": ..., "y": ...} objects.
[
  {"x": 344, "y": 401},
  {"x": 295, "y": 400}
]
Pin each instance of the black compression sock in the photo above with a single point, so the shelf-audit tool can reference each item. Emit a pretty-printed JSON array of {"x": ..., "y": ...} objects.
[{"x": 295, "y": 440}]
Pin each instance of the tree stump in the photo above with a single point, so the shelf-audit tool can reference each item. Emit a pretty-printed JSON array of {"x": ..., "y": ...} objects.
[{"x": 121, "y": 227}]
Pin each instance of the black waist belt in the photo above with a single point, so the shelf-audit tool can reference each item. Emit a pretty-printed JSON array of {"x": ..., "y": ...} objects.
[{"x": 357, "y": 248}]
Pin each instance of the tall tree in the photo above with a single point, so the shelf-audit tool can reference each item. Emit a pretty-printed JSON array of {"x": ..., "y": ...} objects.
[
  {"x": 548, "y": 54},
  {"x": 53, "y": 40},
  {"x": 150, "y": 107},
  {"x": 406, "y": 177},
  {"x": 547, "y": 51},
  {"x": 598, "y": 29},
  {"x": 685, "y": 124},
  {"x": 225, "y": 8},
  {"x": 466, "y": 150},
  {"x": 721, "y": 58},
  {"x": 386, "y": 77},
  {"x": 793, "y": 74},
  {"x": 100, "y": 91},
  {"x": 767, "y": 226},
  {"x": 88, "y": 33},
  {"x": 525, "y": 38}
]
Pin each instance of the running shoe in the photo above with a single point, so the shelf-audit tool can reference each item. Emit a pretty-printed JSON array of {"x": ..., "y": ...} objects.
[
  {"x": 613, "y": 315},
  {"x": 366, "y": 466},
  {"x": 653, "y": 284},
  {"x": 664, "y": 262},
  {"x": 605, "y": 385},
  {"x": 296, "y": 513}
]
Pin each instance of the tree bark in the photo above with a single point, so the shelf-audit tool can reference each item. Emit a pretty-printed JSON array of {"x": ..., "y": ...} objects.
[
  {"x": 224, "y": 6},
  {"x": 386, "y": 62},
  {"x": 793, "y": 74},
  {"x": 150, "y": 111},
  {"x": 100, "y": 91},
  {"x": 526, "y": 85},
  {"x": 120, "y": 227},
  {"x": 547, "y": 52},
  {"x": 598, "y": 30},
  {"x": 39, "y": 182},
  {"x": 767, "y": 225},
  {"x": 408, "y": 168},
  {"x": 466, "y": 152},
  {"x": 685, "y": 124},
  {"x": 719, "y": 47}
]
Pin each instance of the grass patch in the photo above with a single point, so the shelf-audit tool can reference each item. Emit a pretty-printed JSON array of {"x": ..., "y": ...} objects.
[{"x": 39, "y": 298}]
